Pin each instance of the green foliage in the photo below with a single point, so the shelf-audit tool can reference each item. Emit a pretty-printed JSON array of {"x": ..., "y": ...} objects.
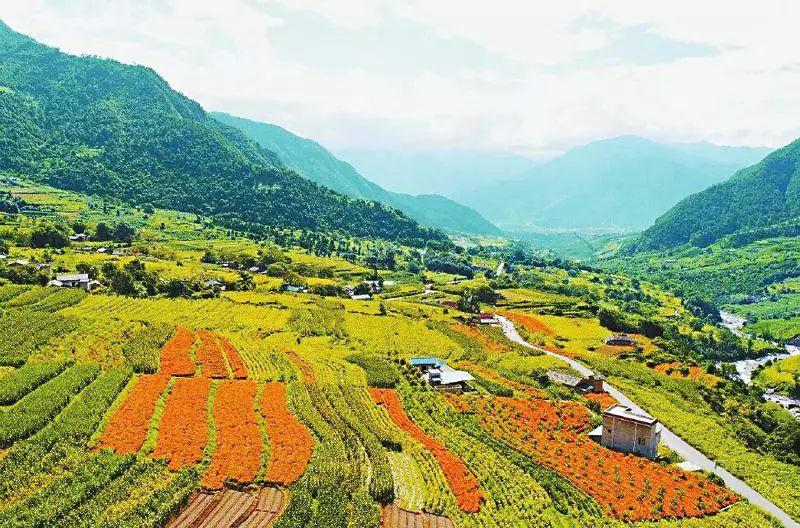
[
  {"x": 756, "y": 198},
  {"x": 143, "y": 350},
  {"x": 60, "y": 497},
  {"x": 151, "y": 145},
  {"x": 22, "y": 332},
  {"x": 380, "y": 372},
  {"x": 35, "y": 410},
  {"x": 25, "y": 379},
  {"x": 64, "y": 437}
]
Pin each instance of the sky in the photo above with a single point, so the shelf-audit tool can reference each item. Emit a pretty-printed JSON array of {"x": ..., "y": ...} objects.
[{"x": 526, "y": 76}]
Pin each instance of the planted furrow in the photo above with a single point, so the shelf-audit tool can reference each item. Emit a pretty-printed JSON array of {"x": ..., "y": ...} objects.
[
  {"x": 34, "y": 411},
  {"x": 209, "y": 356},
  {"x": 238, "y": 451},
  {"x": 290, "y": 442},
  {"x": 463, "y": 484},
  {"x": 128, "y": 426},
  {"x": 193, "y": 513},
  {"x": 230, "y": 507},
  {"x": 183, "y": 432},
  {"x": 175, "y": 357},
  {"x": 235, "y": 360}
]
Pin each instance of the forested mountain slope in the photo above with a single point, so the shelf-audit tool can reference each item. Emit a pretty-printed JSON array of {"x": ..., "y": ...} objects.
[
  {"x": 761, "y": 201},
  {"x": 313, "y": 161},
  {"x": 622, "y": 183},
  {"x": 115, "y": 130}
]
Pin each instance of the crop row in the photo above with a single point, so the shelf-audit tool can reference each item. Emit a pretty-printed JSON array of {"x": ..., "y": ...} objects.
[
  {"x": 176, "y": 357},
  {"x": 22, "y": 332},
  {"x": 463, "y": 484},
  {"x": 23, "y": 380},
  {"x": 143, "y": 350},
  {"x": 209, "y": 356},
  {"x": 290, "y": 443},
  {"x": 35, "y": 410},
  {"x": 127, "y": 429},
  {"x": 183, "y": 431}
]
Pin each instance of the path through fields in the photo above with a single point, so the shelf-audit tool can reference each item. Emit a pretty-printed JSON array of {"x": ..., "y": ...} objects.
[{"x": 669, "y": 438}]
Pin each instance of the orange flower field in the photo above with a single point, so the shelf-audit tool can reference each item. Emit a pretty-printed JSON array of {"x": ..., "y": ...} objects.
[
  {"x": 463, "y": 484},
  {"x": 127, "y": 429},
  {"x": 175, "y": 358},
  {"x": 527, "y": 390},
  {"x": 603, "y": 399},
  {"x": 183, "y": 432},
  {"x": 237, "y": 455},
  {"x": 209, "y": 356},
  {"x": 627, "y": 487},
  {"x": 528, "y": 322},
  {"x": 485, "y": 341},
  {"x": 235, "y": 360},
  {"x": 306, "y": 371},
  {"x": 694, "y": 373},
  {"x": 290, "y": 441}
]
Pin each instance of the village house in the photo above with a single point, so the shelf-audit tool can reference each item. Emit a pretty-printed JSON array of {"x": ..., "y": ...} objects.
[
  {"x": 440, "y": 376},
  {"x": 75, "y": 280},
  {"x": 19, "y": 262},
  {"x": 215, "y": 285},
  {"x": 593, "y": 383},
  {"x": 620, "y": 340},
  {"x": 486, "y": 319},
  {"x": 361, "y": 297},
  {"x": 43, "y": 266},
  {"x": 291, "y": 288},
  {"x": 629, "y": 431},
  {"x": 79, "y": 237}
]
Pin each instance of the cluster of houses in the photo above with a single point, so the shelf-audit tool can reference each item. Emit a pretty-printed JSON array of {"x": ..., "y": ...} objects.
[{"x": 440, "y": 376}]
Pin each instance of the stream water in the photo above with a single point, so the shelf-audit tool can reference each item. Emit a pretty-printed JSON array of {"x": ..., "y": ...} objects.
[{"x": 746, "y": 367}]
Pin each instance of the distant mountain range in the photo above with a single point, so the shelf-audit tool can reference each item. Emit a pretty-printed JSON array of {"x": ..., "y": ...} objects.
[
  {"x": 119, "y": 131},
  {"x": 446, "y": 172},
  {"x": 762, "y": 201},
  {"x": 313, "y": 161},
  {"x": 619, "y": 184}
]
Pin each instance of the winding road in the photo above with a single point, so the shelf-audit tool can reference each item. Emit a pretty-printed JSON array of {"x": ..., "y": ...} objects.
[{"x": 670, "y": 439}]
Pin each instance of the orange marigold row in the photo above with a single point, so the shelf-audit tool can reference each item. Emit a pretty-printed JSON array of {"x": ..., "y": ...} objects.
[
  {"x": 209, "y": 356},
  {"x": 290, "y": 442},
  {"x": 175, "y": 358},
  {"x": 306, "y": 371},
  {"x": 235, "y": 360},
  {"x": 463, "y": 484},
  {"x": 529, "y": 322},
  {"x": 127, "y": 428},
  {"x": 183, "y": 432},
  {"x": 237, "y": 455}
]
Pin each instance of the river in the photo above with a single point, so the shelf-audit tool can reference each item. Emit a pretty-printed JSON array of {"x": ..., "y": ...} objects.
[{"x": 746, "y": 367}]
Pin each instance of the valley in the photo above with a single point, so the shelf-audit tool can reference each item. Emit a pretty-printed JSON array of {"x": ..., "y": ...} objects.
[{"x": 212, "y": 321}]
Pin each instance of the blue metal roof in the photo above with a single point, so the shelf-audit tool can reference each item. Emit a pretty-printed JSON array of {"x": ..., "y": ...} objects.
[{"x": 427, "y": 361}]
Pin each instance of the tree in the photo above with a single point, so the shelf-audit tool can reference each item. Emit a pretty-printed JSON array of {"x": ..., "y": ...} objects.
[
  {"x": 123, "y": 233},
  {"x": 48, "y": 236},
  {"x": 468, "y": 302},
  {"x": 102, "y": 232}
]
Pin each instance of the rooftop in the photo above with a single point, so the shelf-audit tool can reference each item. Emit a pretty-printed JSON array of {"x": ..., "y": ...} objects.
[
  {"x": 73, "y": 277},
  {"x": 430, "y": 360},
  {"x": 626, "y": 413},
  {"x": 448, "y": 377},
  {"x": 564, "y": 379}
]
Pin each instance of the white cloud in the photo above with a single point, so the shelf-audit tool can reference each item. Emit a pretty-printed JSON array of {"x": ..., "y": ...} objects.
[{"x": 224, "y": 54}]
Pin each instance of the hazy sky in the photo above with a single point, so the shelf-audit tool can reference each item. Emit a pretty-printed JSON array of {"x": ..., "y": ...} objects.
[{"x": 529, "y": 76}]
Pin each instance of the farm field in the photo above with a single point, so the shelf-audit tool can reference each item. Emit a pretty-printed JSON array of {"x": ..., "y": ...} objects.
[{"x": 254, "y": 406}]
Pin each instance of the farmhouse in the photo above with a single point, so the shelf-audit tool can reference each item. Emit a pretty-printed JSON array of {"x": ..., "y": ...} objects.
[
  {"x": 82, "y": 237},
  {"x": 291, "y": 288},
  {"x": 75, "y": 280},
  {"x": 361, "y": 297},
  {"x": 593, "y": 383},
  {"x": 485, "y": 319},
  {"x": 620, "y": 340},
  {"x": 441, "y": 376},
  {"x": 629, "y": 431}
]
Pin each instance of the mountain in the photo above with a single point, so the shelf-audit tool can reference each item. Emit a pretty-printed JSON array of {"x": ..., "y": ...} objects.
[
  {"x": 435, "y": 171},
  {"x": 619, "y": 184},
  {"x": 761, "y": 201},
  {"x": 313, "y": 161},
  {"x": 119, "y": 131}
]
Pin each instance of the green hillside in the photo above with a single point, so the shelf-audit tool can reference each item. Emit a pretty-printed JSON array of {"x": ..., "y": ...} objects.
[
  {"x": 313, "y": 161},
  {"x": 616, "y": 184},
  {"x": 115, "y": 130},
  {"x": 761, "y": 201}
]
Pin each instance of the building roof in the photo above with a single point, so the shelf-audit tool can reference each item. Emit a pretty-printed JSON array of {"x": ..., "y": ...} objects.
[
  {"x": 485, "y": 316},
  {"x": 626, "y": 413},
  {"x": 55, "y": 283},
  {"x": 454, "y": 376},
  {"x": 362, "y": 297},
  {"x": 621, "y": 339},
  {"x": 254, "y": 269},
  {"x": 430, "y": 360},
  {"x": 564, "y": 379},
  {"x": 597, "y": 432},
  {"x": 74, "y": 277},
  {"x": 689, "y": 466}
]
